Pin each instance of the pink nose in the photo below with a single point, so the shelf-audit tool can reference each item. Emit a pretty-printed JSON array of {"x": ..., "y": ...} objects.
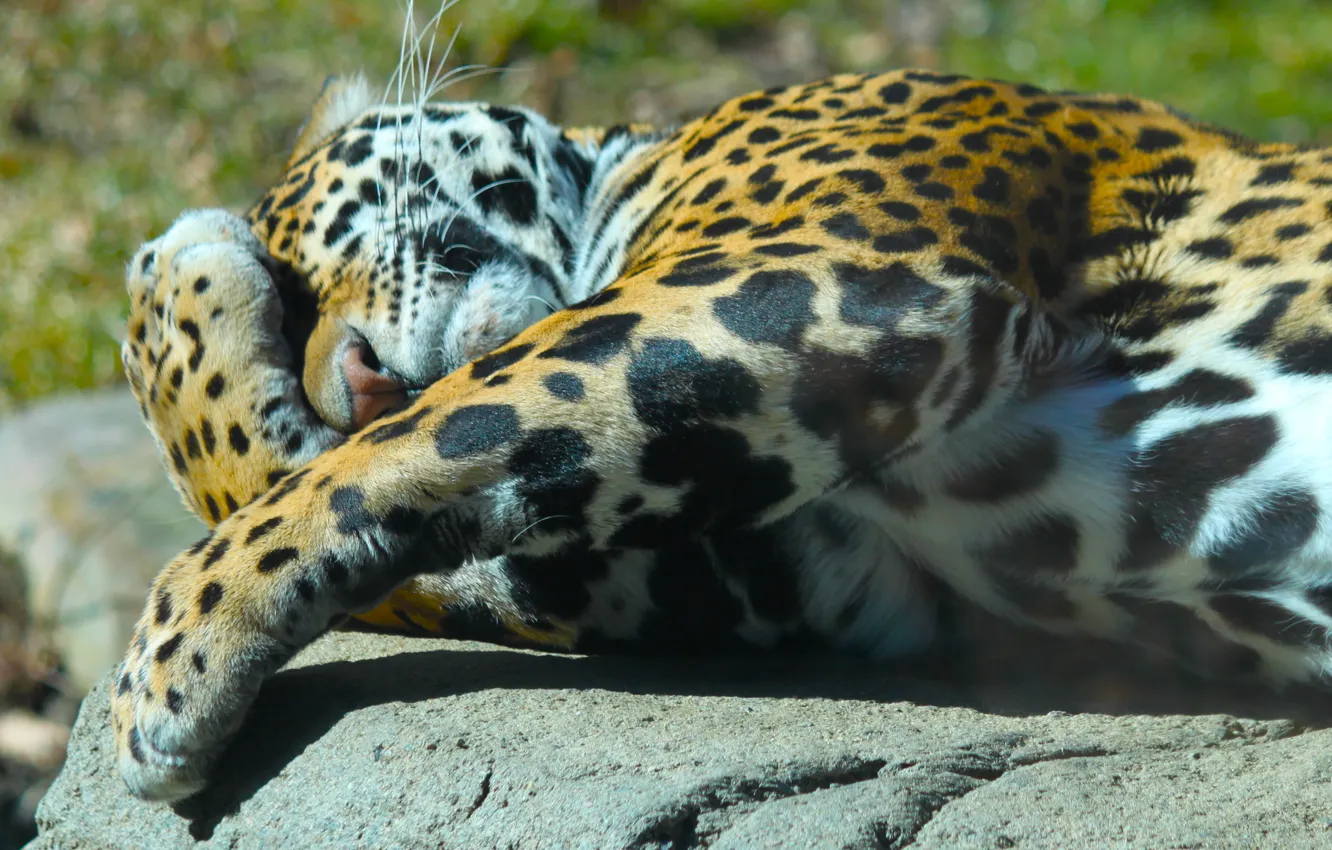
[{"x": 372, "y": 392}]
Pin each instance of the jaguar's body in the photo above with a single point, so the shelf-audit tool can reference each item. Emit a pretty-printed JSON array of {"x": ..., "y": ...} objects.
[{"x": 777, "y": 376}]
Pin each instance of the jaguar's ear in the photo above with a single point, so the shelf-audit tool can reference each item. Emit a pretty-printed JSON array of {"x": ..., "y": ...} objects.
[{"x": 342, "y": 99}]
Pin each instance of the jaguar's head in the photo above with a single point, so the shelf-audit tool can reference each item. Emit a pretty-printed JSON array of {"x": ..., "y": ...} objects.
[{"x": 411, "y": 240}]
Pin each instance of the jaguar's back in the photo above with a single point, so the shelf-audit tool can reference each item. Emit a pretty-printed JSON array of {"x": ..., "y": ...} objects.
[{"x": 1157, "y": 435}]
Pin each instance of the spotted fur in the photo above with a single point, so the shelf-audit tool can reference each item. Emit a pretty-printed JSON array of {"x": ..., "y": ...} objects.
[{"x": 783, "y": 371}]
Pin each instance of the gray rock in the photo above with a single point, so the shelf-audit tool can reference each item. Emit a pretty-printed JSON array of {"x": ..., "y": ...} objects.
[
  {"x": 90, "y": 514},
  {"x": 379, "y": 741}
]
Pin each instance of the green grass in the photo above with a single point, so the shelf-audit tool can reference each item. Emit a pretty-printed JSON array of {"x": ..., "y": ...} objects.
[{"x": 120, "y": 114}]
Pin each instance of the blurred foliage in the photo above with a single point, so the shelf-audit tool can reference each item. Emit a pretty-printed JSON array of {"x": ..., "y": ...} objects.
[{"x": 117, "y": 115}]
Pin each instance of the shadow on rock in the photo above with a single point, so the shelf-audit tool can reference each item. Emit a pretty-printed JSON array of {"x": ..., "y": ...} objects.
[{"x": 299, "y": 706}]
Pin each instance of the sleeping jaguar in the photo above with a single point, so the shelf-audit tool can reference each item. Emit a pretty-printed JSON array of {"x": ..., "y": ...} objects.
[{"x": 784, "y": 375}]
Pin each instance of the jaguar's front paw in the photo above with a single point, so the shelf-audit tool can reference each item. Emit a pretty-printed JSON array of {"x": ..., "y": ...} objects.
[
  {"x": 184, "y": 687},
  {"x": 202, "y": 283},
  {"x": 209, "y": 366},
  {"x": 150, "y": 772}
]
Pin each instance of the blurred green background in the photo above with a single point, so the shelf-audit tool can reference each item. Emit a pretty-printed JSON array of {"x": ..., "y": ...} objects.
[{"x": 116, "y": 115}]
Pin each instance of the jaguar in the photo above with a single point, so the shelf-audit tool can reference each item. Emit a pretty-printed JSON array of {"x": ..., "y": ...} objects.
[{"x": 788, "y": 374}]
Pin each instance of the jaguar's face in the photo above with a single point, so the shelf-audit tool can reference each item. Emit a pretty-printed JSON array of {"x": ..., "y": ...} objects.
[{"x": 439, "y": 232}]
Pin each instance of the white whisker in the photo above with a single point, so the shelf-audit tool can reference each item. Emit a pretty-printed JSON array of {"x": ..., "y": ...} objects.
[
  {"x": 439, "y": 70},
  {"x": 424, "y": 66},
  {"x": 535, "y": 524},
  {"x": 464, "y": 73},
  {"x": 551, "y": 306},
  {"x": 432, "y": 266},
  {"x": 486, "y": 188}
]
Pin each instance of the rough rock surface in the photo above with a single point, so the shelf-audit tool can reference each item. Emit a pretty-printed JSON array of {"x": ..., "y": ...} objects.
[
  {"x": 375, "y": 741},
  {"x": 91, "y": 516}
]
